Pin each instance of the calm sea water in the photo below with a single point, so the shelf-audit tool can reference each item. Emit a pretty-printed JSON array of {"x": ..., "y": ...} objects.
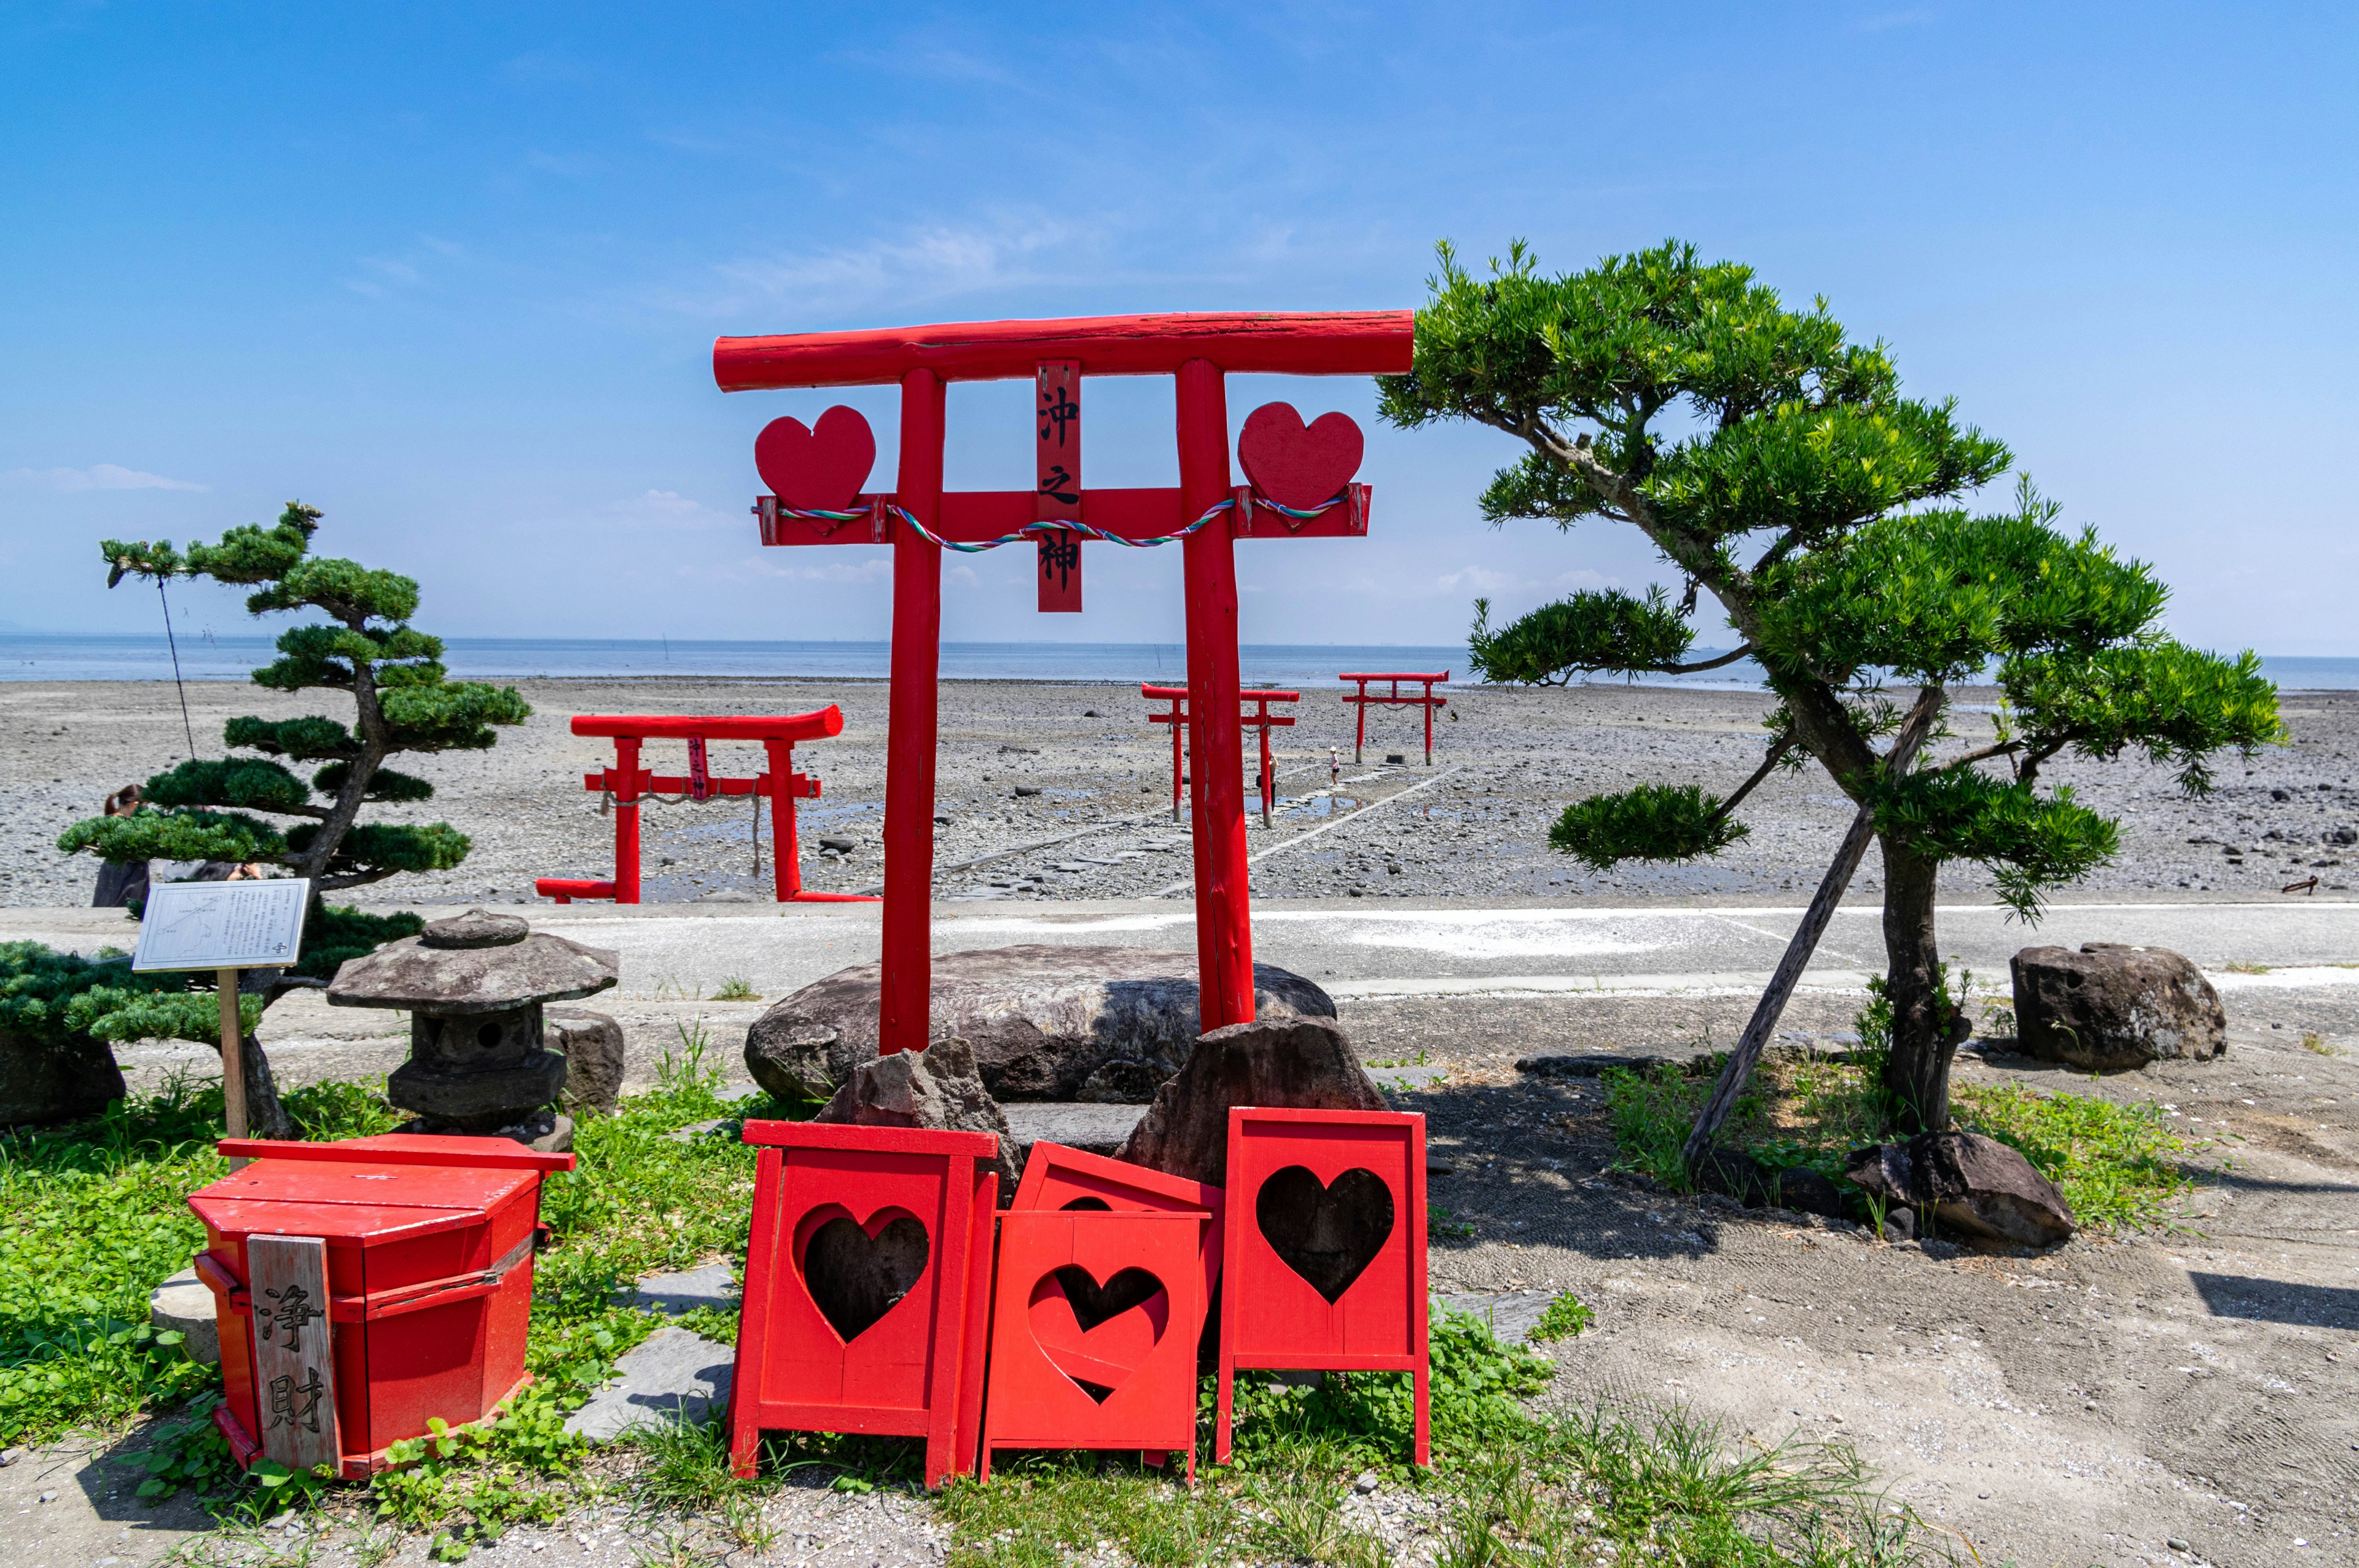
[{"x": 24, "y": 658}]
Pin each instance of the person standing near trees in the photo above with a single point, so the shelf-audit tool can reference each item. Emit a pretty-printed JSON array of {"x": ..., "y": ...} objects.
[
  {"x": 1774, "y": 464},
  {"x": 121, "y": 884}
]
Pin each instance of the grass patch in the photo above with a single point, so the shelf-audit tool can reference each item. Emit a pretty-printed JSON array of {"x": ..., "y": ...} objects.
[
  {"x": 736, "y": 988},
  {"x": 2318, "y": 1045},
  {"x": 1565, "y": 1317},
  {"x": 2120, "y": 1166}
]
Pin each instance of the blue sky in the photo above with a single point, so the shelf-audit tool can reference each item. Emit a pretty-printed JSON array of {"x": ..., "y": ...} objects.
[{"x": 452, "y": 273}]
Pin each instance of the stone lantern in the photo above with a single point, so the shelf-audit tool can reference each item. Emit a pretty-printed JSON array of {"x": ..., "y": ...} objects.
[{"x": 474, "y": 985}]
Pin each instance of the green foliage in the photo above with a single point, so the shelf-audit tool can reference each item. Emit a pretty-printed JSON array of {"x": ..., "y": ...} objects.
[
  {"x": 306, "y": 740},
  {"x": 334, "y": 932},
  {"x": 245, "y": 782},
  {"x": 175, "y": 835},
  {"x": 1369, "y": 1417},
  {"x": 1566, "y": 1317},
  {"x": 2120, "y": 1166},
  {"x": 1775, "y": 464},
  {"x": 367, "y": 649},
  {"x": 2029, "y": 841},
  {"x": 43, "y": 994},
  {"x": 389, "y": 847},
  {"x": 1592, "y": 630},
  {"x": 1649, "y": 822},
  {"x": 385, "y": 784}
]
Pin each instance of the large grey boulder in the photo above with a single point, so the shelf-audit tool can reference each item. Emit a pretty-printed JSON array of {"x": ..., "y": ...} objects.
[
  {"x": 42, "y": 1082},
  {"x": 1975, "y": 1186},
  {"x": 1300, "y": 1063},
  {"x": 1046, "y": 1022},
  {"x": 936, "y": 1087},
  {"x": 2111, "y": 1006}
]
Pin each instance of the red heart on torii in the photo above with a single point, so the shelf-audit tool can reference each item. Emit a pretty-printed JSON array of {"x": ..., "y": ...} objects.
[
  {"x": 817, "y": 470},
  {"x": 1098, "y": 1334},
  {"x": 1304, "y": 469}
]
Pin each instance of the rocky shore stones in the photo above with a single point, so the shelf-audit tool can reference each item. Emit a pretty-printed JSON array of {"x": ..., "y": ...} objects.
[
  {"x": 591, "y": 1044},
  {"x": 474, "y": 985},
  {"x": 1304, "y": 1064},
  {"x": 1976, "y": 1186},
  {"x": 42, "y": 1084},
  {"x": 2112, "y": 1006},
  {"x": 937, "y": 1088},
  {"x": 1045, "y": 1022}
]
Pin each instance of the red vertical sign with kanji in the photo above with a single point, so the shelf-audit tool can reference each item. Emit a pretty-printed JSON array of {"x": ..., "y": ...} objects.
[{"x": 1056, "y": 485}]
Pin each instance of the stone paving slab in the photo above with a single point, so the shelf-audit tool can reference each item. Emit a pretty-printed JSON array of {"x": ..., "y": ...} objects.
[{"x": 673, "y": 1374}]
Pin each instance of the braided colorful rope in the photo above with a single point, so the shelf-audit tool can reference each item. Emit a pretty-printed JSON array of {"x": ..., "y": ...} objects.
[{"x": 1033, "y": 530}]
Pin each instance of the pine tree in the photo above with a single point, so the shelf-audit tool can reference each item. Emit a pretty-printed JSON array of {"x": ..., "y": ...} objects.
[
  {"x": 216, "y": 810},
  {"x": 1775, "y": 464}
]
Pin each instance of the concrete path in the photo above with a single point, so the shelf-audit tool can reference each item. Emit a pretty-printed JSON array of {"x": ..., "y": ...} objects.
[{"x": 1406, "y": 949}]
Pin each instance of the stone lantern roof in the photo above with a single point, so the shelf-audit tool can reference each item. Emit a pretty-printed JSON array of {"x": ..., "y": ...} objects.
[{"x": 476, "y": 962}]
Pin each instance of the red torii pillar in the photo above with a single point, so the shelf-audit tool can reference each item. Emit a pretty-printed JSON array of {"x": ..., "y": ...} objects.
[{"x": 1296, "y": 492}]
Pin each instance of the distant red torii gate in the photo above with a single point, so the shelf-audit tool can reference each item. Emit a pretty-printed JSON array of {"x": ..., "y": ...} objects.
[{"x": 1301, "y": 487}]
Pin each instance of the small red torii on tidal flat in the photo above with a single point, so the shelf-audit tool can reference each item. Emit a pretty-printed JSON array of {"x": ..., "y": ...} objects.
[{"x": 1301, "y": 487}]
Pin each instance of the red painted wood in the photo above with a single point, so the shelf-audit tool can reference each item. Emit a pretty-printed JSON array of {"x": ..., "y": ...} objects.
[
  {"x": 778, "y": 735},
  {"x": 429, "y": 1271},
  {"x": 1393, "y": 699},
  {"x": 1296, "y": 465},
  {"x": 1057, "y": 482},
  {"x": 403, "y": 1148},
  {"x": 1331, "y": 343},
  {"x": 1347, "y": 520},
  {"x": 1145, "y": 1356},
  {"x": 817, "y": 468},
  {"x": 1176, "y": 715},
  {"x": 817, "y": 725},
  {"x": 900, "y": 1374},
  {"x": 1270, "y": 1316},
  {"x": 1056, "y": 1177},
  {"x": 982, "y": 1256},
  {"x": 1223, "y": 917},
  {"x": 903, "y": 998}
]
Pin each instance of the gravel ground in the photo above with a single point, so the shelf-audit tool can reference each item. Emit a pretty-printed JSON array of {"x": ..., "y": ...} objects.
[{"x": 1021, "y": 763}]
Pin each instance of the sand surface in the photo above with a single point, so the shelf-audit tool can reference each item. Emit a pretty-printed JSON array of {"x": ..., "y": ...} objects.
[{"x": 1475, "y": 827}]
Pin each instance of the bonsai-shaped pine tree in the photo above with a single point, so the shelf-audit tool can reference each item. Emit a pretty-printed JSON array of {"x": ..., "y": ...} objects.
[
  {"x": 1776, "y": 465},
  {"x": 205, "y": 810}
]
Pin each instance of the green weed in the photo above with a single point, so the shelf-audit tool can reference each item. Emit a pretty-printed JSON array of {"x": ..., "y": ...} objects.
[
  {"x": 2118, "y": 1165},
  {"x": 1565, "y": 1317},
  {"x": 736, "y": 988}
]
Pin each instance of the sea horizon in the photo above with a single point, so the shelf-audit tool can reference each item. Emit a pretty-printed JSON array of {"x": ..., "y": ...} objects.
[{"x": 129, "y": 656}]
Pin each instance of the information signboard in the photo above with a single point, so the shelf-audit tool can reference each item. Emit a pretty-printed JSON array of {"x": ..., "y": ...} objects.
[{"x": 222, "y": 925}]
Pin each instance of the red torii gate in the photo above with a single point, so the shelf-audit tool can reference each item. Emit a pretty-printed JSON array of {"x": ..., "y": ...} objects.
[
  {"x": 627, "y": 785},
  {"x": 1429, "y": 702},
  {"x": 1301, "y": 488},
  {"x": 1260, "y": 718}
]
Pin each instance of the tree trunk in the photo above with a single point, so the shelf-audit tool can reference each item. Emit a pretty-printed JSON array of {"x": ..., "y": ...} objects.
[
  {"x": 1916, "y": 1073},
  {"x": 265, "y": 1116}
]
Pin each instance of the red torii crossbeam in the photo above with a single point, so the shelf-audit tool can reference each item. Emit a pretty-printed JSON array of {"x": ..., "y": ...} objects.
[
  {"x": 627, "y": 785},
  {"x": 1260, "y": 718},
  {"x": 1395, "y": 700},
  {"x": 1301, "y": 487}
]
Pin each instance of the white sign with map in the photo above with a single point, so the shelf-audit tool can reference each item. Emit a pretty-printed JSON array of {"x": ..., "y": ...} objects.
[{"x": 222, "y": 925}]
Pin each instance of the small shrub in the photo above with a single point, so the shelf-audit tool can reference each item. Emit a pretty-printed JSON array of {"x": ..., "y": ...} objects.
[{"x": 1566, "y": 1317}]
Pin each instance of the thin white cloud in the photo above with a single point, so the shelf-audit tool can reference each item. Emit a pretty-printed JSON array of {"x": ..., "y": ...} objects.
[
  {"x": 98, "y": 476},
  {"x": 935, "y": 263}
]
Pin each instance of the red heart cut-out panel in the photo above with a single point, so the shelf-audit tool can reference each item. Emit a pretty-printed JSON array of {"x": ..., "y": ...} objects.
[
  {"x": 1327, "y": 1232},
  {"x": 817, "y": 469},
  {"x": 856, "y": 1274},
  {"x": 1099, "y": 1334},
  {"x": 1296, "y": 466}
]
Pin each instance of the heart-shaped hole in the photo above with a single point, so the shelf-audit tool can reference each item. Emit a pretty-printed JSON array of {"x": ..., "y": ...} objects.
[
  {"x": 1098, "y": 1334},
  {"x": 1092, "y": 1205},
  {"x": 817, "y": 470},
  {"x": 1328, "y": 1233},
  {"x": 1296, "y": 466},
  {"x": 855, "y": 1278}
]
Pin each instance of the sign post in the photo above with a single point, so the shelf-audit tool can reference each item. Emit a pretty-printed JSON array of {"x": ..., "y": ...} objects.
[{"x": 224, "y": 927}]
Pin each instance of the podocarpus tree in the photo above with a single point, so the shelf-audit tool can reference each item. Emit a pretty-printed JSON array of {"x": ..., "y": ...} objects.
[
  {"x": 1775, "y": 464},
  {"x": 206, "y": 809}
]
